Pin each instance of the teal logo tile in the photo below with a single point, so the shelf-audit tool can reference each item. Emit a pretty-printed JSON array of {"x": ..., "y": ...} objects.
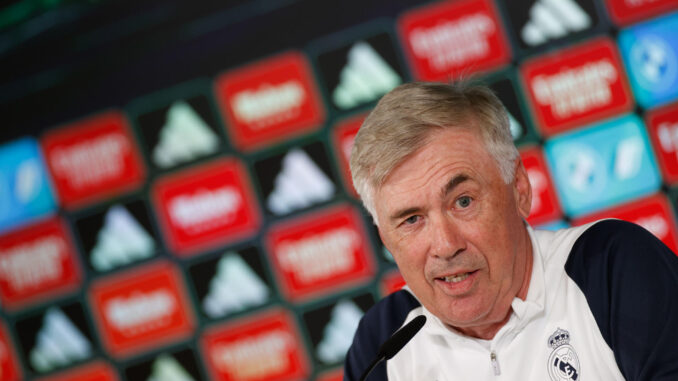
[{"x": 600, "y": 166}]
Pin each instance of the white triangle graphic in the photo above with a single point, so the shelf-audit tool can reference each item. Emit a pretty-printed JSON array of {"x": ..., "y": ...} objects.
[
  {"x": 551, "y": 19},
  {"x": 184, "y": 137},
  {"x": 166, "y": 368},
  {"x": 59, "y": 343},
  {"x": 628, "y": 158},
  {"x": 299, "y": 184},
  {"x": 365, "y": 77},
  {"x": 235, "y": 287},
  {"x": 515, "y": 127},
  {"x": 120, "y": 241},
  {"x": 338, "y": 333}
]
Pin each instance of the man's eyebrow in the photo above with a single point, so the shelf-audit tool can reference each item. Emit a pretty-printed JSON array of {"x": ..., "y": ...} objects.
[
  {"x": 449, "y": 187},
  {"x": 456, "y": 180},
  {"x": 402, "y": 213}
]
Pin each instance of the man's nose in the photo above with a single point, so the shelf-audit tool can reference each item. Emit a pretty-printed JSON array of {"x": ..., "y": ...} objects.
[{"x": 446, "y": 239}]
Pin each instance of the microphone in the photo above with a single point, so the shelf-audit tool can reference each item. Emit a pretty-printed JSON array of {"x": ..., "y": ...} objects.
[{"x": 395, "y": 343}]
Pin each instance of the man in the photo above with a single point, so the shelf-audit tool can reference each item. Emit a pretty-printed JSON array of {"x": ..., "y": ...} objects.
[{"x": 436, "y": 167}]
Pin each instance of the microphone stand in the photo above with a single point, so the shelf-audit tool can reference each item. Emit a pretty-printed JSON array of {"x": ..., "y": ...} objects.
[{"x": 395, "y": 343}]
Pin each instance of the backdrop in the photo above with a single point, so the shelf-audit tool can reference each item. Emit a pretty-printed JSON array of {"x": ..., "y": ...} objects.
[{"x": 175, "y": 202}]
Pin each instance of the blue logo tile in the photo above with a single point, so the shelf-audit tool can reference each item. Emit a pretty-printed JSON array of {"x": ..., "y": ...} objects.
[
  {"x": 25, "y": 189},
  {"x": 650, "y": 52},
  {"x": 600, "y": 166}
]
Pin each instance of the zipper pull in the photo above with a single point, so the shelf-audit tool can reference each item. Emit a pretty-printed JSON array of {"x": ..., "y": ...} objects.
[{"x": 495, "y": 363}]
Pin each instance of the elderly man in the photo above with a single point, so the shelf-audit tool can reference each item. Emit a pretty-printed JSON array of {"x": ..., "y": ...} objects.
[{"x": 436, "y": 167}]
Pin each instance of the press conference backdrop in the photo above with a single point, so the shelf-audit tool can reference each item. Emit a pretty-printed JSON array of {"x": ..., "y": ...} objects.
[{"x": 175, "y": 202}]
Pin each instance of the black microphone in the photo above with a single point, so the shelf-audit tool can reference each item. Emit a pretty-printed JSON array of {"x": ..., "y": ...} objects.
[{"x": 396, "y": 342}]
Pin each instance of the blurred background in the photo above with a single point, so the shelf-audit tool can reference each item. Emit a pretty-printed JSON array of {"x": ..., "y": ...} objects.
[{"x": 175, "y": 202}]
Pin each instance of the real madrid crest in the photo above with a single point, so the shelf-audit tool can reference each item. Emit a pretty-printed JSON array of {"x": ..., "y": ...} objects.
[{"x": 563, "y": 363}]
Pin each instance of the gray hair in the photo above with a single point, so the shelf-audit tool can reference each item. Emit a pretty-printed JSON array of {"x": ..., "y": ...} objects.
[{"x": 403, "y": 120}]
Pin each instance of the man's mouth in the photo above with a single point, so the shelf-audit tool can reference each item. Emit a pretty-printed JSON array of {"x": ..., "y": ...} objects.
[{"x": 456, "y": 278}]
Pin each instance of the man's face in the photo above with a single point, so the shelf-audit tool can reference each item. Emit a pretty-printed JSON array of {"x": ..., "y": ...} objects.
[{"x": 456, "y": 232}]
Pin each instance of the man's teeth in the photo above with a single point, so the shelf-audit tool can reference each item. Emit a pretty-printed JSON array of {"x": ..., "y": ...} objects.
[{"x": 455, "y": 278}]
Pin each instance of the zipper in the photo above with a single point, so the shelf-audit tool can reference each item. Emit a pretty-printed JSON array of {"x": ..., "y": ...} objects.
[{"x": 495, "y": 363}]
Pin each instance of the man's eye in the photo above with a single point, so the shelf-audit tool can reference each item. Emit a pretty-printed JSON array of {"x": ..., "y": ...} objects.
[
  {"x": 464, "y": 201},
  {"x": 411, "y": 220}
]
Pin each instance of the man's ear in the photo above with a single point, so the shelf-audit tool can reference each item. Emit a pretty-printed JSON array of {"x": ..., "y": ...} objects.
[{"x": 522, "y": 189}]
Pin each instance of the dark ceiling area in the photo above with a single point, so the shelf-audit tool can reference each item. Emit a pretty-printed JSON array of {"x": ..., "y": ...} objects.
[{"x": 80, "y": 57}]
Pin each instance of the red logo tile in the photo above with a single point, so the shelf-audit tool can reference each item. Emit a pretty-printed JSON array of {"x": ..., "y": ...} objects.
[
  {"x": 320, "y": 252},
  {"x": 663, "y": 127},
  {"x": 206, "y": 206},
  {"x": 343, "y": 135},
  {"x": 270, "y": 101},
  {"x": 391, "y": 282},
  {"x": 9, "y": 366},
  {"x": 97, "y": 371},
  {"x": 576, "y": 86},
  {"x": 142, "y": 308},
  {"x": 545, "y": 205},
  {"x": 37, "y": 262},
  {"x": 624, "y": 12},
  {"x": 262, "y": 347},
  {"x": 452, "y": 38},
  {"x": 653, "y": 213},
  {"x": 93, "y": 159}
]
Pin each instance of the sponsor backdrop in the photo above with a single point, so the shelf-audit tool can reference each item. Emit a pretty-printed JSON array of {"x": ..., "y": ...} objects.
[{"x": 208, "y": 229}]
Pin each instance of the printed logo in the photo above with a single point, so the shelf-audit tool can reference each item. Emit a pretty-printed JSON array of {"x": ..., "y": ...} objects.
[
  {"x": 9, "y": 365},
  {"x": 260, "y": 347},
  {"x": 331, "y": 327},
  {"x": 544, "y": 203},
  {"x": 625, "y": 12},
  {"x": 56, "y": 338},
  {"x": 576, "y": 86},
  {"x": 295, "y": 180},
  {"x": 142, "y": 308},
  {"x": 118, "y": 236},
  {"x": 370, "y": 70},
  {"x": 96, "y": 371},
  {"x": 449, "y": 39},
  {"x": 538, "y": 22},
  {"x": 179, "y": 132},
  {"x": 270, "y": 101},
  {"x": 175, "y": 366},
  {"x": 231, "y": 283},
  {"x": 654, "y": 213},
  {"x": 343, "y": 135},
  {"x": 603, "y": 165},
  {"x": 552, "y": 20},
  {"x": 563, "y": 363},
  {"x": 25, "y": 192},
  {"x": 92, "y": 159},
  {"x": 371, "y": 73},
  {"x": 338, "y": 333},
  {"x": 323, "y": 251},
  {"x": 650, "y": 51},
  {"x": 205, "y": 206},
  {"x": 663, "y": 127},
  {"x": 36, "y": 262}
]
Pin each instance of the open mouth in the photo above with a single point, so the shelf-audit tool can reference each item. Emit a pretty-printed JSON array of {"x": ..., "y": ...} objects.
[{"x": 456, "y": 278}]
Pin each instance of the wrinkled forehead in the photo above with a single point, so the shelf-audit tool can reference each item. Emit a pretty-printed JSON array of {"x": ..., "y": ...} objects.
[{"x": 431, "y": 136}]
